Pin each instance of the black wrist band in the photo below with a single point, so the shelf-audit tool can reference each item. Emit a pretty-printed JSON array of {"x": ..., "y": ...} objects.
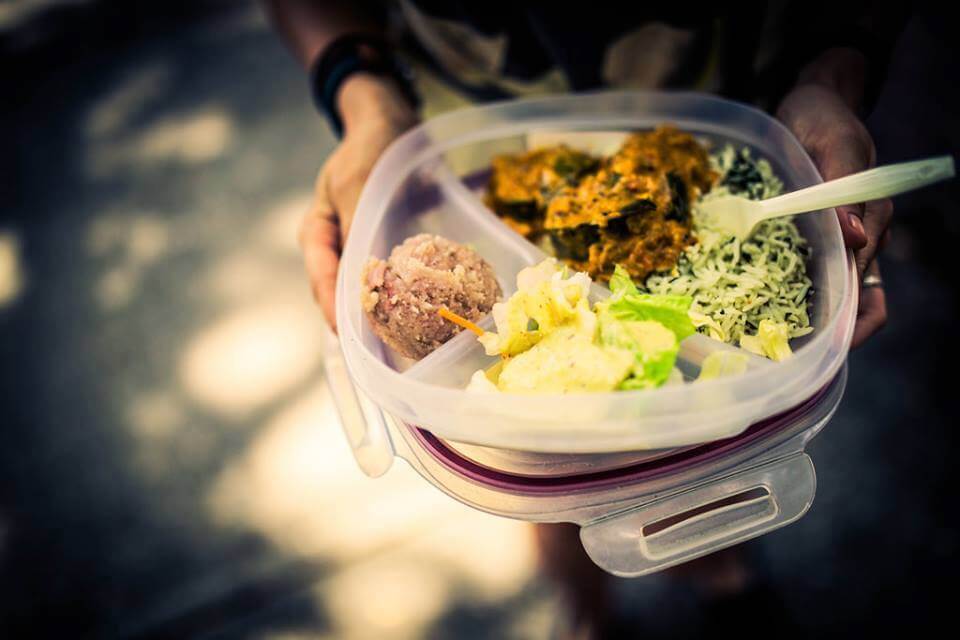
[{"x": 345, "y": 56}]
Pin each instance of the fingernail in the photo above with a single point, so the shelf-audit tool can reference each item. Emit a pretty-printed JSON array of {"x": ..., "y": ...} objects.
[{"x": 857, "y": 225}]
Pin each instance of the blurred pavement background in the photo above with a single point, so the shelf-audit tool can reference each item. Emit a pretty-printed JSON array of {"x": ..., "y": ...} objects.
[{"x": 171, "y": 462}]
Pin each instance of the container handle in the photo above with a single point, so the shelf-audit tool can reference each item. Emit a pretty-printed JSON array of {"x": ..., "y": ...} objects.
[
  {"x": 362, "y": 421},
  {"x": 690, "y": 524}
]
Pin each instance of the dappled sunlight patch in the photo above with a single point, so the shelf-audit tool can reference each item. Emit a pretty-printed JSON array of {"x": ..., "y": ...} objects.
[
  {"x": 250, "y": 357},
  {"x": 115, "y": 112},
  {"x": 281, "y": 223},
  {"x": 117, "y": 287},
  {"x": 133, "y": 242},
  {"x": 471, "y": 558},
  {"x": 190, "y": 139},
  {"x": 156, "y": 416},
  {"x": 164, "y": 453},
  {"x": 268, "y": 258},
  {"x": 168, "y": 439},
  {"x": 148, "y": 239},
  {"x": 245, "y": 274},
  {"x": 298, "y": 485},
  {"x": 12, "y": 278},
  {"x": 285, "y": 634},
  {"x": 496, "y": 557},
  {"x": 393, "y": 597},
  {"x": 106, "y": 233},
  {"x": 539, "y": 619},
  {"x": 194, "y": 138}
]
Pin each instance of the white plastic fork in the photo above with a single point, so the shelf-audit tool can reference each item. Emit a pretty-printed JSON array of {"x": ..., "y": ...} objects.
[{"x": 739, "y": 215}]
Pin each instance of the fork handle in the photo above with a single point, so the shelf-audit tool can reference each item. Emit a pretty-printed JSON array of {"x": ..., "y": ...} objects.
[{"x": 865, "y": 186}]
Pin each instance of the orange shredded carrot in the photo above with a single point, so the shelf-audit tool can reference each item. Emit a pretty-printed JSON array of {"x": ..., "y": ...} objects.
[{"x": 463, "y": 322}]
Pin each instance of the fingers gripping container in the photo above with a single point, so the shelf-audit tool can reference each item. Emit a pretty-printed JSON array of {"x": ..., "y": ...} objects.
[{"x": 654, "y": 477}]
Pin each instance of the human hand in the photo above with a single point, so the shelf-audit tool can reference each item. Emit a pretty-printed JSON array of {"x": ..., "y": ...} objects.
[
  {"x": 374, "y": 114},
  {"x": 840, "y": 144}
]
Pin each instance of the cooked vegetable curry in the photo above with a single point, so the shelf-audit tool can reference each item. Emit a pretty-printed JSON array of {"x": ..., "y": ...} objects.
[{"x": 632, "y": 208}]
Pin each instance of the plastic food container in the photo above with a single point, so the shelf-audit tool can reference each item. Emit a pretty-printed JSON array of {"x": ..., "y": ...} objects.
[
  {"x": 430, "y": 180},
  {"x": 639, "y": 512},
  {"x": 654, "y": 478}
]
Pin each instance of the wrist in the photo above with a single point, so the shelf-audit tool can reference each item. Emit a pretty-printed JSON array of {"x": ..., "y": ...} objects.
[
  {"x": 360, "y": 75},
  {"x": 374, "y": 99}
]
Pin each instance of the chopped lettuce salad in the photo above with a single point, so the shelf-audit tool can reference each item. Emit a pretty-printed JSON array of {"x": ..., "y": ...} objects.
[
  {"x": 552, "y": 341},
  {"x": 722, "y": 364},
  {"x": 772, "y": 340}
]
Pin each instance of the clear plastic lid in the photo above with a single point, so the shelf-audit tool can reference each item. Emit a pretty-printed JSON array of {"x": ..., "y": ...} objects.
[{"x": 430, "y": 180}]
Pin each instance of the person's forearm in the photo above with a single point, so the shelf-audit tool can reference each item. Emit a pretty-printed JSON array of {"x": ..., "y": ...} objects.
[
  {"x": 309, "y": 27},
  {"x": 842, "y": 70}
]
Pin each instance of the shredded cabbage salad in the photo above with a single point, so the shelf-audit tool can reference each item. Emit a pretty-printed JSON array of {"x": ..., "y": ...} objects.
[{"x": 754, "y": 292}]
